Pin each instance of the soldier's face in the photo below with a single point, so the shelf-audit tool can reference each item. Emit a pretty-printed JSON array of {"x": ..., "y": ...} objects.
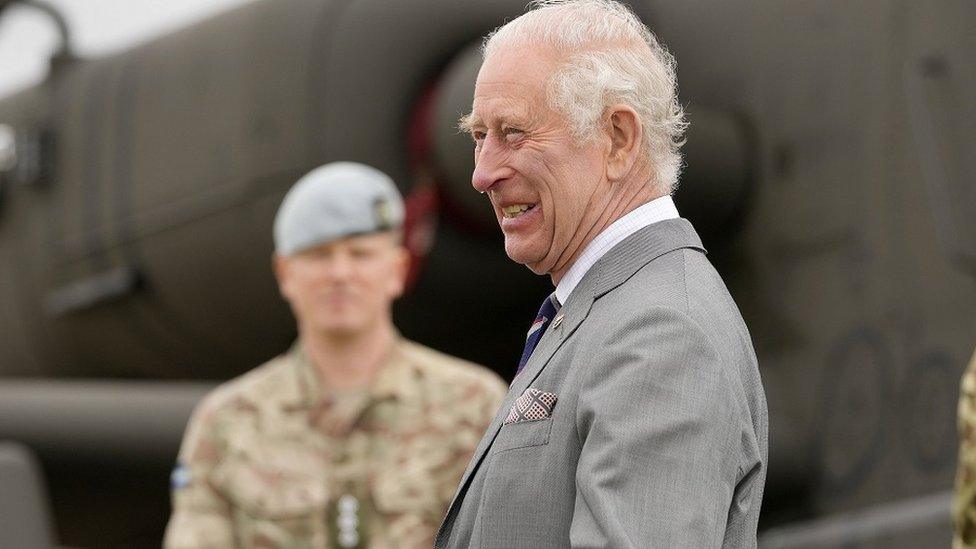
[{"x": 345, "y": 286}]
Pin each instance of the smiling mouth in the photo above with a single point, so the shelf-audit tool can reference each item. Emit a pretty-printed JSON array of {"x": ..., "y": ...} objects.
[{"x": 516, "y": 210}]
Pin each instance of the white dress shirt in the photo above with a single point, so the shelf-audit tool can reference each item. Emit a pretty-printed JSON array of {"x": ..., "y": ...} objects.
[{"x": 656, "y": 210}]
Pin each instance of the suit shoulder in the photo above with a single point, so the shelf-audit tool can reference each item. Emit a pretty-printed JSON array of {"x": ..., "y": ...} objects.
[
  {"x": 681, "y": 279},
  {"x": 662, "y": 282}
]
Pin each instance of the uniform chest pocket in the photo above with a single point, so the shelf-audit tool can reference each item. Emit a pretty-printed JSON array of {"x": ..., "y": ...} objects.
[
  {"x": 271, "y": 493},
  {"x": 522, "y": 434}
]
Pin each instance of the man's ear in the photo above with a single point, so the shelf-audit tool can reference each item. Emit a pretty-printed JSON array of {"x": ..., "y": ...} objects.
[
  {"x": 402, "y": 270},
  {"x": 279, "y": 265},
  {"x": 626, "y": 135}
]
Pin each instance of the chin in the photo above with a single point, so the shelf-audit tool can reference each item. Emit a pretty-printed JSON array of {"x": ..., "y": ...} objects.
[
  {"x": 516, "y": 255},
  {"x": 525, "y": 257},
  {"x": 341, "y": 332},
  {"x": 340, "y": 329}
]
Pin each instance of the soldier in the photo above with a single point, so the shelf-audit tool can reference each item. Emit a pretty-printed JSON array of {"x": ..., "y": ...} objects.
[
  {"x": 355, "y": 437},
  {"x": 964, "y": 503}
]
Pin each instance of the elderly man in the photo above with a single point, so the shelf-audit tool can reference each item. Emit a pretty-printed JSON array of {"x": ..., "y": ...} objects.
[
  {"x": 637, "y": 417},
  {"x": 353, "y": 438}
]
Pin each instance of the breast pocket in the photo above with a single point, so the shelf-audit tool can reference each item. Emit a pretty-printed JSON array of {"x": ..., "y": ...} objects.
[
  {"x": 267, "y": 493},
  {"x": 273, "y": 506},
  {"x": 518, "y": 480},
  {"x": 522, "y": 434}
]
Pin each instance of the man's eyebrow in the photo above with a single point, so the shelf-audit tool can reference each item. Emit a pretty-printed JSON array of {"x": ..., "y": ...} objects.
[
  {"x": 470, "y": 121},
  {"x": 467, "y": 122}
]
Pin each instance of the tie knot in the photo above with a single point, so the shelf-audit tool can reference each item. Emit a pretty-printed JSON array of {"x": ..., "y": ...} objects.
[
  {"x": 542, "y": 319},
  {"x": 546, "y": 312},
  {"x": 549, "y": 307}
]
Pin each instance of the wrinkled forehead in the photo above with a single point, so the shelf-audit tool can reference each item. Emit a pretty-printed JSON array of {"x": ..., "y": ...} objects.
[
  {"x": 512, "y": 84},
  {"x": 511, "y": 103}
]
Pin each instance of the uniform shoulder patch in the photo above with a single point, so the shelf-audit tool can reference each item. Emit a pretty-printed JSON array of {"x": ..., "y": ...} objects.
[{"x": 180, "y": 477}]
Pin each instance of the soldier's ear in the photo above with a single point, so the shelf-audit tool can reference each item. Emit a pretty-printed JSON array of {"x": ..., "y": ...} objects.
[
  {"x": 279, "y": 265},
  {"x": 402, "y": 269}
]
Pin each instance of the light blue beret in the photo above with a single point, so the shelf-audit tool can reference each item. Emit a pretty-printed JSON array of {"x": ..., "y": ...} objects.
[{"x": 334, "y": 201}]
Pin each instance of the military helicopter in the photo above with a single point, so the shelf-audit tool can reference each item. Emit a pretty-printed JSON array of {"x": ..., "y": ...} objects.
[{"x": 828, "y": 168}]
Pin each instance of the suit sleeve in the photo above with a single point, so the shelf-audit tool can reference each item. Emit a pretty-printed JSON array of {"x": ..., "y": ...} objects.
[
  {"x": 201, "y": 516},
  {"x": 660, "y": 429}
]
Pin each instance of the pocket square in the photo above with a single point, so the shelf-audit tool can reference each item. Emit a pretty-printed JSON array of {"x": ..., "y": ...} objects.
[{"x": 532, "y": 405}]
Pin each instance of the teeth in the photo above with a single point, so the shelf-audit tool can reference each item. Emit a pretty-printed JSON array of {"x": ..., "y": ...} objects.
[{"x": 515, "y": 210}]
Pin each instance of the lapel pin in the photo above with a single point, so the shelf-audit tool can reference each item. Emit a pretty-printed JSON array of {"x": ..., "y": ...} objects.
[{"x": 557, "y": 321}]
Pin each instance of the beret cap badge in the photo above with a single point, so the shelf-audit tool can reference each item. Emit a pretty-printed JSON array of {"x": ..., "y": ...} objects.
[{"x": 384, "y": 214}]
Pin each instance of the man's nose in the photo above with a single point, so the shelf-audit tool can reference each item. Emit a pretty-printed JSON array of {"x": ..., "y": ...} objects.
[
  {"x": 489, "y": 165},
  {"x": 340, "y": 267}
]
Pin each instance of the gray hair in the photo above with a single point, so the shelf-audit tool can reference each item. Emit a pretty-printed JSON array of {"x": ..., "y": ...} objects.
[{"x": 610, "y": 57}]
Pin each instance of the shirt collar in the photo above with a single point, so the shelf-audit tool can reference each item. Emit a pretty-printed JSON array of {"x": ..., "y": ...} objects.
[
  {"x": 656, "y": 210},
  {"x": 392, "y": 380}
]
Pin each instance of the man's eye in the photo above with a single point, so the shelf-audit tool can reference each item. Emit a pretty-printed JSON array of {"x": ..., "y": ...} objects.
[
  {"x": 477, "y": 136},
  {"x": 317, "y": 253},
  {"x": 512, "y": 134}
]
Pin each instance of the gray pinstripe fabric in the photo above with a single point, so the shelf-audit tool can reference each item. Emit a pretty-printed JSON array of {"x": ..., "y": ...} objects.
[{"x": 658, "y": 437}]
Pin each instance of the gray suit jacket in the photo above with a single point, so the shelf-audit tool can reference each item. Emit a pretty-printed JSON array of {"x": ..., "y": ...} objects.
[{"x": 657, "y": 437}]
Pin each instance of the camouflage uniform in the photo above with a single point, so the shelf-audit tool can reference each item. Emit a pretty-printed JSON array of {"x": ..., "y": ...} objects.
[
  {"x": 964, "y": 503},
  {"x": 271, "y": 459}
]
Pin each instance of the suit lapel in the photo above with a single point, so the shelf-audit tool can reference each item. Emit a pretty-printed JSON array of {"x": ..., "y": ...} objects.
[
  {"x": 573, "y": 314},
  {"x": 618, "y": 265},
  {"x": 570, "y": 316},
  {"x": 637, "y": 250},
  {"x": 613, "y": 269}
]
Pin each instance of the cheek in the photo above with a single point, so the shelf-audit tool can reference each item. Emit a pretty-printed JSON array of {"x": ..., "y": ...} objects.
[
  {"x": 309, "y": 285},
  {"x": 560, "y": 163},
  {"x": 303, "y": 281},
  {"x": 585, "y": 177},
  {"x": 383, "y": 279},
  {"x": 569, "y": 182},
  {"x": 290, "y": 286}
]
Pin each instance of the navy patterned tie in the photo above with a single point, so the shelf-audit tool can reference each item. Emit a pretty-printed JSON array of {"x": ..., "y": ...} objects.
[{"x": 542, "y": 320}]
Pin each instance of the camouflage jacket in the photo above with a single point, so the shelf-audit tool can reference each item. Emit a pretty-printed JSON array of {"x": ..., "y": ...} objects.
[
  {"x": 272, "y": 459},
  {"x": 964, "y": 502}
]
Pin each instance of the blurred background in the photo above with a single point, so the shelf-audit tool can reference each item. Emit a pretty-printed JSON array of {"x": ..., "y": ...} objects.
[{"x": 145, "y": 146}]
